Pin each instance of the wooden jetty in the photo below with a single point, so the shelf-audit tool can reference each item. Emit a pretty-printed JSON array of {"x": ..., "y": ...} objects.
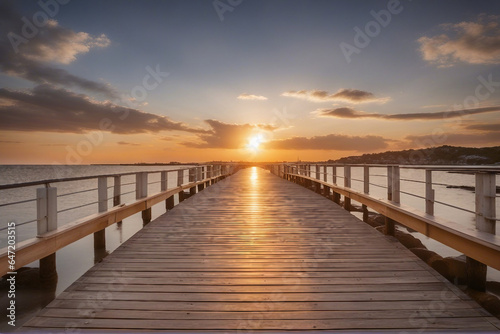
[{"x": 255, "y": 252}]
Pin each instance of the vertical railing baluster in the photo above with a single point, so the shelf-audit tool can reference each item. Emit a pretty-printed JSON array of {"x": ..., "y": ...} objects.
[
  {"x": 336, "y": 195},
  {"x": 429, "y": 193},
  {"x": 389, "y": 183},
  {"x": 192, "y": 179},
  {"x": 347, "y": 184},
  {"x": 326, "y": 189},
  {"x": 485, "y": 222},
  {"x": 141, "y": 191},
  {"x": 199, "y": 178},
  {"x": 396, "y": 192},
  {"x": 317, "y": 177},
  {"x": 180, "y": 181},
  {"x": 46, "y": 205},
  {"x": 366, "y": 190},
  {"x": 117, "y": 191},
  {"x": 169, "y": 202},
  {"x": 389, "y": 223},
  {"x": 102, "y": 203}
]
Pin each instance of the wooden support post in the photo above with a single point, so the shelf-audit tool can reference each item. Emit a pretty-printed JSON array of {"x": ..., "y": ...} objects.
[
  {"x": 485, "y": 202},
  {"x": 141, "y": 191},
  {"x": 389, "y": 183},
  {"x": 164, "y": 181},
  {"x": 200, "y": 177},
  {"x": 334, "y": 174},
  {"x": 192, "y": 179},
  {"x": 366, "y": 190},
  {"x": 485, "y": 222},
  {"x": 102, "y": 199},
  {"x": 180, "y": 177},
  {"x": 46, "y": 203},
  {"x": 326, "y": 191},
  {"x": 169, "y": 203},
  {"x": 117, "y": 190},
  {"x": 396, "y": 193},
  {"x": 210, "y": 174},
  {"x": 476, "y": 274},
  {"x": 391, "y": 174},
  {"x": 117, "y": 184},
  {"x": 389, "y": 226},
  {"x": 180, "y": 181},
  {"x": 318, "y": 177},
  {"x": 429, "y": 193},
  {"x": 347, "y": 184}
]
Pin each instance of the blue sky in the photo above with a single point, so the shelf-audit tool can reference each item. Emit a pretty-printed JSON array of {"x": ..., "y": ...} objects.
[{"x": 427, "y": 59}]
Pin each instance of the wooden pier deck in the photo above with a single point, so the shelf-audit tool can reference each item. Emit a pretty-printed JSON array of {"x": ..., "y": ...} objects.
[{"x": 257, "y": 253}]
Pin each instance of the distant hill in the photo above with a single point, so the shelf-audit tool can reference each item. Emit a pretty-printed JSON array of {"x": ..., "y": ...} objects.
[{"x": 443, "y": 155}]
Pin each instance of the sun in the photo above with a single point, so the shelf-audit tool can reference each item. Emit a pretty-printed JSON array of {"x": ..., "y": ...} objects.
[{"x": 254, "y": 142}]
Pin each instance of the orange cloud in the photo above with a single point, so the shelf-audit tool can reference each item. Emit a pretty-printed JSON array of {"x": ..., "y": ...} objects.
[
  {"x": 440, "y": 115},
  {"x": 467, "y": 42},
  {"x": 49, "y": 109},
  {"x": 246, "y": 96},
  {"x": 335, "y": 142},
  {"x": 230, "y": 136},
  {"x": 342, "y": 95}
]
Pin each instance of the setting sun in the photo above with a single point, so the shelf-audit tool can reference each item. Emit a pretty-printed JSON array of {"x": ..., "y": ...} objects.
[{"x": 254, "y": 142}]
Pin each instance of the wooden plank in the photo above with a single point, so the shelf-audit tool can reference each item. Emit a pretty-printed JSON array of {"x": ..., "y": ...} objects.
[{"x": 465, "y": 323}]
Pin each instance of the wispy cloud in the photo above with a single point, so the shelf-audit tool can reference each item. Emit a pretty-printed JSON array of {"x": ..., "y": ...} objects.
[
  {"x": 468, "y": 42},
  {"x": 342, "y": 95},
  {"x": 50, "y": 109},
  {"x": 440, "y": 115},
  {"x": 334, "y": 142},
  {"x": 126, "y": 143},
  {"x": 31, "y": 60},
  {"x": 432, "y": 106},
  {"x": 226, "y": 135},
  {"x": 246, "y": 96},
  {"x": 480, "y": 139},
  {"x": 488, "y": 127}
]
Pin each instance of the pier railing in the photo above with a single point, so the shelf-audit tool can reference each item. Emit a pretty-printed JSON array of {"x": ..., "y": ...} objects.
[
  {"x": 51, "y": 237},
  {"x": 480, "y": 244}
]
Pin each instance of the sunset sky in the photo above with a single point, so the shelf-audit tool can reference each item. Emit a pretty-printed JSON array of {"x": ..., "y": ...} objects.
[{"x": 86, "y": 81}]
